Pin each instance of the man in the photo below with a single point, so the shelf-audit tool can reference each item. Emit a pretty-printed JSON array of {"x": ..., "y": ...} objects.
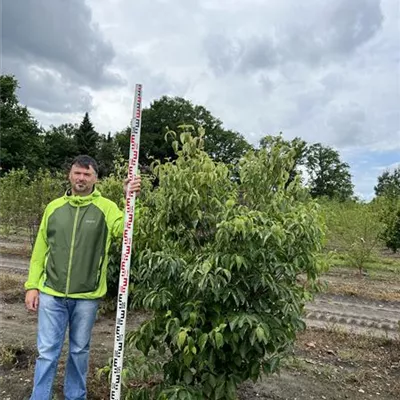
[{"x": 67, "y": 276}]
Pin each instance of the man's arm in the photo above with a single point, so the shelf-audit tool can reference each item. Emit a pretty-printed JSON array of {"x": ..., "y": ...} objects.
[
  {"x": 117, "y": 214},
  {"x": 36, "y": 268}
]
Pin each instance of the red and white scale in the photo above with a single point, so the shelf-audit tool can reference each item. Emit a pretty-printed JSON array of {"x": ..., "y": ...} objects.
[{"x": 126, "y": 249}]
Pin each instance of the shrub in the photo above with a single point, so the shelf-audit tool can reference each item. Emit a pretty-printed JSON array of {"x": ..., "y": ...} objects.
[
  {"x": 217, "y": 263},
  {"x": 24, "y": 197},
  {"x": 390, "y": 217}
]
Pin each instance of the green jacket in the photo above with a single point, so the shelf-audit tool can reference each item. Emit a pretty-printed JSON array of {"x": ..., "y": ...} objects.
[{"x": 70, "y": 255}]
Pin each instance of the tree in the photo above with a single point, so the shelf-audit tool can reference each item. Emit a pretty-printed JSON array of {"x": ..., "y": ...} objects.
[
  {"x": 226, "y": 146},
  {"x": 389, "y": 206},
  {"x": 328, "y": 175},
  {"x": 389, "y": 183},
  {"x": 21, "y": 142},
  {"x": 122, "y": 140},
  {"x": 108, "y": 152},
  {"x": 61, "y": 146},
  {"x": 87, "y": 138},
  {"x": 219, "y": 276},
  {"x": 354, "y": 229},
  {"x": 169, "y": 113},
  {"x": 297, "y": 146}
]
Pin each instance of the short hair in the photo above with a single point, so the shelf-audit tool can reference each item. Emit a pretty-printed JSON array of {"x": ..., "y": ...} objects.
[{"x": 85, "y": 161}]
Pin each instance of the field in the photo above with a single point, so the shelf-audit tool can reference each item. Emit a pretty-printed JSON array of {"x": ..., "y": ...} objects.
[{"x": 350, "y": 349}]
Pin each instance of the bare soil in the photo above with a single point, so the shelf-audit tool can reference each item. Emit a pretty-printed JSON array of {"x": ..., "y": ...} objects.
[{"x": 350, "y": 349}]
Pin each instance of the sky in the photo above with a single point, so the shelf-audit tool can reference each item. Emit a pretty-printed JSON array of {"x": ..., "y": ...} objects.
[{"x": 325, "y": 71}]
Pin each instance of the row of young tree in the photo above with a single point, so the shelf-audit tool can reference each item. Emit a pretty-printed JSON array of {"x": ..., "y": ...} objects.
[{"x": 25, "y": 144}]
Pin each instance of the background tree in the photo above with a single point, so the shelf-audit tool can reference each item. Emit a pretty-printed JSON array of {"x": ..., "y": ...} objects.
[
  {"x": 169, "y": 113},
  {"x": 61, "y": 146},
  {"x": 87, "y": 139},
  {"x": 21, "y": 140},
  {"x": 389, "y": 183},
  {"x": 226, "y": 146},
  {"x": 122, "y": 140},
  {"x": 107, "y": 153},
  {"x": 354, "y": 230},
  {"x": 328, "y": 175}
]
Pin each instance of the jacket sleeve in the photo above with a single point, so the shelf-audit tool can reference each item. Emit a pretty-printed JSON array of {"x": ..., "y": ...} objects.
[
  {"x": 38, "y": 258},
  {"x": 117, "y": 216}
]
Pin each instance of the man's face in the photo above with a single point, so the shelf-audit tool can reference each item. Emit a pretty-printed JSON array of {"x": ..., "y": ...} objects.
[{"x": 82, "y": 180}]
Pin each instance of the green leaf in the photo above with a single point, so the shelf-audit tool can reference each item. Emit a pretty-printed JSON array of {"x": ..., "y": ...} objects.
[
  {"x": 188, "y": 377},
  {"x": 231, "y": 389},
  {"x": 219, "y": 340},
  {"x": 202, "y": 341},
  {"x": 181, "y": 339},
  {"x": 187, "y": 359},
  {"x": 260, "y": 334},
  {"x": 220, "y": 390},
  {"x": 212, "y": 381}
]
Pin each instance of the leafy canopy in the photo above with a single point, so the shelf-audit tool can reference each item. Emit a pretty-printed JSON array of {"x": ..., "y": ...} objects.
[{"x": 21, "y": 142}]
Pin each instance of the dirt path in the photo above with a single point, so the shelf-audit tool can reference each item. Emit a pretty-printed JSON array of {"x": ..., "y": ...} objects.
[{"x": 14, "y": 263}]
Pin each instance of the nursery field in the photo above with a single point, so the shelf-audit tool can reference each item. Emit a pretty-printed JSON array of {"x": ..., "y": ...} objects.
[{"x": 349, "y": 350}]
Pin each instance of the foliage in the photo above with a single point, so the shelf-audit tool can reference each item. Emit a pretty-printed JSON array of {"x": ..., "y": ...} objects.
[
  {"x": 169, "y": 113},
  {"x": 329, "y": 176},
  {"x": 23, "y": 198},
  {"x": 391, "y": 234},
  {"x": 298, "y": 145},
  {"x": 390, "y": 216},
  {"x": 87, "y": 138},
  {"x": 354, "y": 229},
  {"x": 60, "y": 146},
  {"x": 141, "y": 374},
  {"x": 122, "y": 141},
  {"x": 217, "y": 264},
  {"x": 108, "y": 152},
  {"x": 389, "y": 183},
  {"x": 21, "y": 142}
]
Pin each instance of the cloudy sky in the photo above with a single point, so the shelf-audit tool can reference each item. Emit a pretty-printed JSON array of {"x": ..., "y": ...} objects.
[{"x": 324, "y": 70}]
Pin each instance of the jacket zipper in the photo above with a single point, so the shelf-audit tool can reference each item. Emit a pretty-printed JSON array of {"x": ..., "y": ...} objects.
[{"x": 71, "y": 252}]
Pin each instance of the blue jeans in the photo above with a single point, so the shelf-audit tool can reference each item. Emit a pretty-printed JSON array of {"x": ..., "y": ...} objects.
[{"x": 55, "y": 314}]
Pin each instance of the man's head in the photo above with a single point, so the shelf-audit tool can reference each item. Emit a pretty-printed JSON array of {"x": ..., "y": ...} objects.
[{"x": 83, "y": 175}]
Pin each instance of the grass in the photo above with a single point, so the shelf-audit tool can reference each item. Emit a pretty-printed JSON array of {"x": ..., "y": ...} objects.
[
  {"x": 378, "y": 263},
  {"x": 8, "y": 355},
  {"x": 15, "y": 356}
]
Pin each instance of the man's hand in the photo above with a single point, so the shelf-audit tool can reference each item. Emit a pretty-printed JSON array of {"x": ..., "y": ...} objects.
[
  {"x": 32, "y": 299},
  {"x": 133, "y": 185}
]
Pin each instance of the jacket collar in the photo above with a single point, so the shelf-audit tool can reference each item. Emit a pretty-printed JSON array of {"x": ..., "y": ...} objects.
[{"x": 78, "y": 201}]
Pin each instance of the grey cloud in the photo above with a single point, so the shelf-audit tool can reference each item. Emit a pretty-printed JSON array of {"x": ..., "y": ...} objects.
[
  {"x": 223, "y": 53},
  {"x": 349, "y": 124},
  {"x": 258, "y": 54},
  {"x": 266, "y": 83},
  {"x": 343, "y": 26},
  {"x": 355, "y": 23},
  {"x": 60, "y": 35},
  {"x": 47, "y": 90},
  {"x": 319, "y": 36},
  {"x": 230, "y": 54}
]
